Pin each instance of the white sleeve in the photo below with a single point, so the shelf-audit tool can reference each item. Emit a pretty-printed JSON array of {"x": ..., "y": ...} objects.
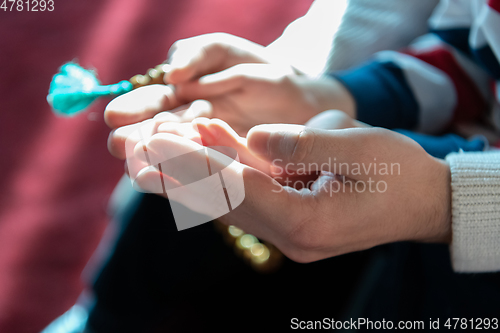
[
  {"x": 306, "y": 42},
  {"x": 475, "y": 185},
  {"x": 370, "y": 26},
  {"x": 338, "y": 34}
]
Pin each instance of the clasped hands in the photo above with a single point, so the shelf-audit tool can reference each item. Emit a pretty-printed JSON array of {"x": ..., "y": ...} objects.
[{"x": 331, "y": 186}]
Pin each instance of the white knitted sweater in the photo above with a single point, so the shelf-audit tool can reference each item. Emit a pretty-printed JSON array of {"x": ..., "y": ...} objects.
[{"x": 475, "y": 185}]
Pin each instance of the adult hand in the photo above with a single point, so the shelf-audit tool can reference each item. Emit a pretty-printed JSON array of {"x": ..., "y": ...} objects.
[
  {"x": 190, "y": 59},
  {"x": 244, "y": 90},
  {"x": 376, "y": 186},
  {"x": 197, "y": 56}
]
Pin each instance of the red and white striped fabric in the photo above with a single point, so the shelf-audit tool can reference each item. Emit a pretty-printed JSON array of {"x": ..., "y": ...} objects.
[{"x": 449, "y": 76}]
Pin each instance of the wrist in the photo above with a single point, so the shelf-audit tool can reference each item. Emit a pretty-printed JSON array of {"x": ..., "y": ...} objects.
[
  {"x": 328, "y": 94},
  {"x": 440, "y": 213}
]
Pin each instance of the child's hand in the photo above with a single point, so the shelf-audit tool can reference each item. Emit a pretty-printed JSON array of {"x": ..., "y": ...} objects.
[
  {"x": 242, "y": 89},
  {"x": 197, "y": 56},
  {"x": 190, "y": 59}
]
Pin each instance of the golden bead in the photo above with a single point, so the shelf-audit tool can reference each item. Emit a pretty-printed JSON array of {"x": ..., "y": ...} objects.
[
  {"x": 139, "y": 80},
  {"x": 263, "y": 256},
  {"x": 246, "y": 241},
  {"x": 257, "y": 249},
  {"x": 234, "y": 231},
  {"x": 156, "y": 76},
  {"x": 164, "y": 68}
]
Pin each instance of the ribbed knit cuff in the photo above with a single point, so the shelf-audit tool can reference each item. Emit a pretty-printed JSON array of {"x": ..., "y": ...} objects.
[{"x": 475, "y": 185}]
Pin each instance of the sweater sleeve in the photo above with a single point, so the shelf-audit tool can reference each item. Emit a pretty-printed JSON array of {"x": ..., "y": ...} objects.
[
  {"x": 371, "y": 26},
  {"x": 440, "y": 79},
  {"x": 475, "y": 184},
  {"x": 426, "y": 87},
  {"x": 338, "y": 34}
]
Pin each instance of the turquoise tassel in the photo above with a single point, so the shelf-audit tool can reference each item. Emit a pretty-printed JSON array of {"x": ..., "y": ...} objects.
[{"x": 75, "y": 88}]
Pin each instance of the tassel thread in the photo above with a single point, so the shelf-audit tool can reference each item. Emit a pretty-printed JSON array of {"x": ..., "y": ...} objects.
[{"x": 74, "y": 88}]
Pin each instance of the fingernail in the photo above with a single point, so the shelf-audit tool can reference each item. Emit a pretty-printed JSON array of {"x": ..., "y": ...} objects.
[
  {"x": 276, "y": 140},
  {"x": 258, "y": 140},
  {"x": 168, "y": 127}
]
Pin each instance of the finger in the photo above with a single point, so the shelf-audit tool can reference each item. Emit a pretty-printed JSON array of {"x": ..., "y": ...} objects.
[
  {"x": 201, "y": 172},
  {"x": 215, "y": 132},
  {"x": 186, "y": 112},
  {"x": 198, "y": 108},
  {"x": 194, "y": 57},
  {"x": 139, "y": 104},
  {"x": 172, "y": 116},
  {"x": 181, "y": 129},
  {"x": 118, "y": 138},
  {"x": 339, "y": 151},
  {"x": 223, "y": 82},
  {"x": 248, "y": 195},
  {"x": 151, "y": 180},
  {"x": 145, "y": 129},
  {"x": 134, "y": 137},
  {"x": 201, "y": 55},
  {"x": 231, "y": 79},
  {"x": 174, "y": 154},
  {"x": 134, "y": 167},
  {"x": 333, "y": 119},
  {"x": 252, "y": 195},
  {"x": 122, "y": 140}
]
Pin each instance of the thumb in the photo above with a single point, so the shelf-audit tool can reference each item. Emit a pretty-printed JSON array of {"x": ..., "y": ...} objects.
[
  {"x": 201, "y": 55},
  {"x": 235, "y": 78},
  {"x": 191, "y": 60},
  {"x": 209, "y": 182},
  {"x": 219, "y": 83},
  {"x": 297, "y": 147}
]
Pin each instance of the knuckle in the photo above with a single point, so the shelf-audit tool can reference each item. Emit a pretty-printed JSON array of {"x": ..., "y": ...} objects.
[
  {"x": 303, "y": 146},
  {"x": 220, "y": 37},
  {"x": 216, "y": 49},
  {"x": 240, "y": 79},
  {"x": 176, "y": 44},
  {"x": 303, "y": 238},
  {"x": 112, "y": 146},
  {"x": 342, "y": 119},
  {"x": 339, "y": 115},
  {"x": 179, "y": 44},
  {"x": 286, "y": 81}
]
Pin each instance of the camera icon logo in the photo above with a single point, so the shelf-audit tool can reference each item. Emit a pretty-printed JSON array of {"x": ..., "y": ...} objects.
[{"x": 202, "y": 183}]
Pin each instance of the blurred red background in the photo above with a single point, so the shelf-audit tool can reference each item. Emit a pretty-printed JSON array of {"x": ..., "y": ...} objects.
[{"x": 56, "y": 173}]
